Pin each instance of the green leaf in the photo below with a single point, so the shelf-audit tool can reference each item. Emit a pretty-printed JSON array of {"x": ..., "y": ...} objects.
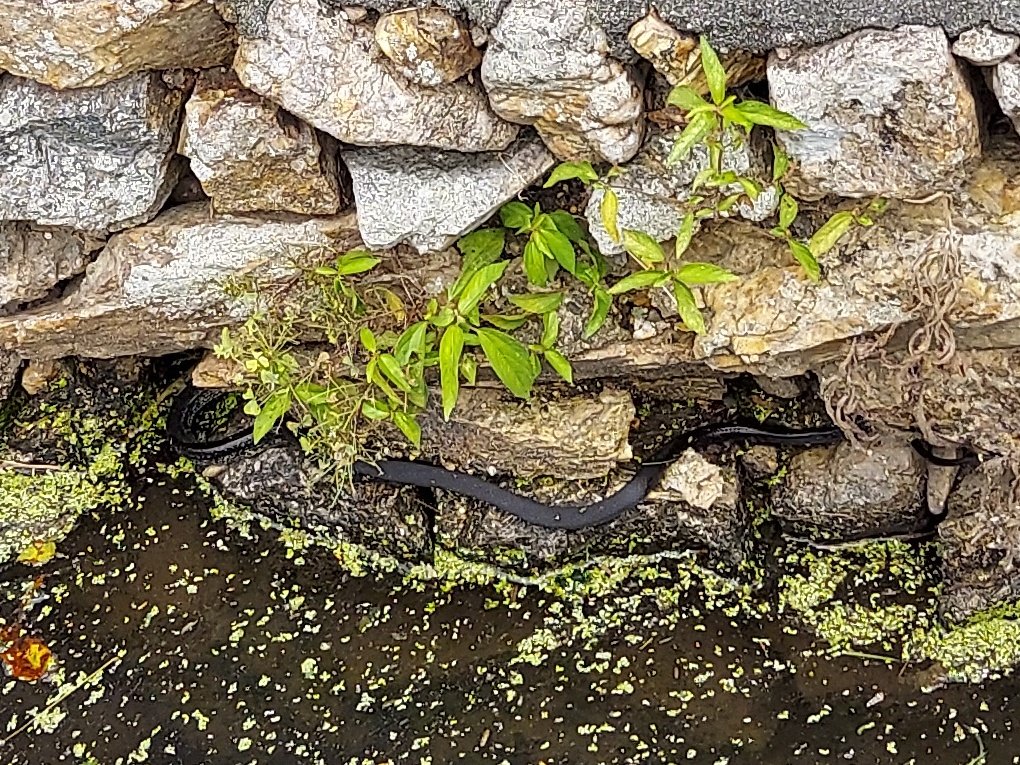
[
  {"x": 444, "y": 318},
  {"x": 714, "y": 72},
  {"x": 788, "y": 209},
  {"x": 480, "y": 248},
  {"x": 703, "y": 273},
  {"x": 608, "y": 212},
  {"x": 684, "y": 97},
  {"x": 780, "y": 162},
  {"x": 763, "y": 114},
  {"x": 324, "y": 271},
  {"x": 696, "y": 130},
  {"x": 479, "y": 284},
  {"x": 550, "y": 329},
  {"x": 356, "y": 262},
  {"x": 685, "y": 235},
  {"x": 392, "y": 370},
  {"x": 643, "y": 247},
  {"x": 409, "y": 427},
  {"x": 510, "y": 360},
  {"x": 567, "y": 225},
  {"x": 565, "y": 171},
  {"x": 534, "y": 262},
  {"x": 559, "y": 362},
  {"x": 367, "y": 340},
  {"x": 375, "y": 410},
  {"x": 538, "y": 302},
  {"x": 803, "y": 255},
  {"x": 750, "y": 188},
  {"x": 825, "y": 238},
  {"x": 469, "y": 368},
  {"x": 311, "y": 394},
  {"x": 687, "y": 307},
  {"x": 411, "y": 341},
  {"x": 272, "y": 412},
  {"x": 506, "y": 321},
  {"x": 639, "y": 280},
  {"x": 451, "y": 346},
  {"x": 734, "y": 115},
  {"x": 558, "y": 247},
  {"x": 728, "y": 202},
  {"x": 599, "y": 312},
  {"x": 516, "y": 215}
]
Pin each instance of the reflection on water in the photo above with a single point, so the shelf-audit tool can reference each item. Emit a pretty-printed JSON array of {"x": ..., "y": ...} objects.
[{"x": 181, "y": 641}]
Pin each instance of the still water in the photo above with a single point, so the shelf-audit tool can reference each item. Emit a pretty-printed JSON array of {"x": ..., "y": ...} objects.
[{"x": 182, "y": 641}]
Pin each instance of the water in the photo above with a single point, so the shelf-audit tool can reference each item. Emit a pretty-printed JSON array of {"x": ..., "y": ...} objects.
[{"x": 206, "y": 646}]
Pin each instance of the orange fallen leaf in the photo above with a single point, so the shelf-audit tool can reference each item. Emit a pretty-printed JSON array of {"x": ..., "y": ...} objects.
[
  {"x": 27, "y": 658},
  {"x": 38, "y": 553}
]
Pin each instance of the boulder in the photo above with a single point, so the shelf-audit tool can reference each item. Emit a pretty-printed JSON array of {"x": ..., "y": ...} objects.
[
  {"x": 571, "y": 437},
  {"x": 1006, "y": 85},
  {"x": 985, "y": 46},
  {"x": 91, "y": 42},
  {"x": 844, "y": 492},
  {"x": 429, "y": 46},
  {"x": 981, "y": 541},
  {"x": 250, "y": 155},
  {"x": 33, "y": 259},
  {"x": 95, "y": 159},
  {"x": 550, "y": 67},
  {"x": 889, "y": 113},
  {"x": 160, "y": 288},
  {"x": 651, "y": 195},
  {"x": 328, "y": 71},
  {"x": 428, "y": 198},
  {"x": 277, "y": 484}
]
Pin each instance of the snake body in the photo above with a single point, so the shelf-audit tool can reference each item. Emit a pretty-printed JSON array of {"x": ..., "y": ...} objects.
[{"x": 193, "y": 402}]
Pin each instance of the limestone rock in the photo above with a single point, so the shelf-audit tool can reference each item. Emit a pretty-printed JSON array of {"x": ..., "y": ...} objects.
[
  {"x": 94, "y": 159},
  {"x": 567, "y": 437},
  {"x": 276, "y": 483},
  {"x": 38, "y": 375},
  {"x": 843, "y": 492},
  {"x": 981, "y": 541},
  {"x": 549, "y": 66},
  {"x": 250, "y": 155},
  {"x": 33, "y": 259},
  {"x": 159, "y": 288},
  {"x": 428, "y": 197},
  {"x": 429, "y": 46},
  {"x": 677, "y": 56},
  {"x": 91, "y": 42},
  {"x": 651, "y": 195},
  {"x": 9, "y": 364},
  {"x": 1006, "y": 84},
  {"x": 985, "y": 46},
  {"x": 329, "y": 72},
  {"x": 888, "y": 112}
]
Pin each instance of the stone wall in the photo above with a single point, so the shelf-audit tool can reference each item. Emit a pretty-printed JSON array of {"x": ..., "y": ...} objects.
[{"x": 151, "y": 152}]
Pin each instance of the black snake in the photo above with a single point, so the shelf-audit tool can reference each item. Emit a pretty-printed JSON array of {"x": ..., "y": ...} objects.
[{"x": 194, "y": 402}]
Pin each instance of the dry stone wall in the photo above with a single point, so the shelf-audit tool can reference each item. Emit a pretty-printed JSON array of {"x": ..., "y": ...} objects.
[{"x": 312, "y": 125}]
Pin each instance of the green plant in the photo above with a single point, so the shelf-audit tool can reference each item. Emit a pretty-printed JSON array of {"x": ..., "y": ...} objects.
[{"x": 716, "y": 125}]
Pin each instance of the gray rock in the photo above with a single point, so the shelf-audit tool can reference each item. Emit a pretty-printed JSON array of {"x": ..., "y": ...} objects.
[
  {"x": 1006, "y": 84},
  {"x": 250, "y": 155},
  {"x": 550, "y": 67},
  {"x": 572, "y": 437},
  {"x": 429, "y": 46},
  {"x": 95, "y": 159},
  {"x": 92, "y": 42},
  {"x": 276, "y": 483},
  {"x": 330, "y": 72},
  {"x": 844, "y": 492},
  {"x": 651, "y": 195},
  {"x": 159, "y": 288},
  {"x": 33, "y": 259},
  {"x": 985, "y": 46},
  {"x": 888, "y": 113},
  {"x": 428, "y": 198},
  {"x": 981, "y": 541},
  {"x": 665, "y": 521},
  {"x": 9, "y": 364}
]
